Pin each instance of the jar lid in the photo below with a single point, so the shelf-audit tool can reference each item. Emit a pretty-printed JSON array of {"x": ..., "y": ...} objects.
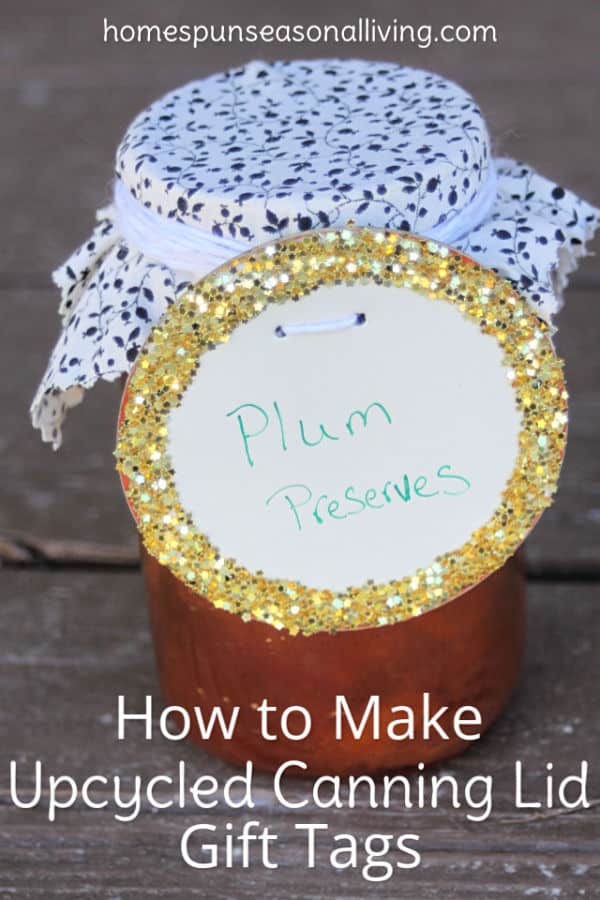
[
  {"x": 272, "y": 149},
  {"x": 283, "y": 462}
]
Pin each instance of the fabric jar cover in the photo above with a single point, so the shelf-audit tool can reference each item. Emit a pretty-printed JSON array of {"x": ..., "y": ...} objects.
[{"x": 268, "y": 150}]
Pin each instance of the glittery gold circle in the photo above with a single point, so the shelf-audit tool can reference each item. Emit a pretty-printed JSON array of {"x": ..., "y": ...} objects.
[{"x": 206, "y": 315}]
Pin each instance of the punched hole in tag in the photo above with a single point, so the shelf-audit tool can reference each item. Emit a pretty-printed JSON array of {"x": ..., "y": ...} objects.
[{"x": 324, "y": 325}]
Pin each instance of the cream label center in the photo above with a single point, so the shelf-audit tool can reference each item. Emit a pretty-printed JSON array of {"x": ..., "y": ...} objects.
[{"x": 354, "y": 436}]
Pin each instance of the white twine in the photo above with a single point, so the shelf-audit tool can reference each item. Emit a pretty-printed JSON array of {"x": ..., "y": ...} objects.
[
  {"x": 189, "y": 249},
  {"x": 323, "y": 325}
]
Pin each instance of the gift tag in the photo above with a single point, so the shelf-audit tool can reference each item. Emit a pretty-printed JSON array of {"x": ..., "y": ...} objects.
[{"x": 342, "y": 429}]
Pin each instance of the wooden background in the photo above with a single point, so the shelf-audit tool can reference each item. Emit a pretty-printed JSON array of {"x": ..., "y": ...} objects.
[{"x": 73, "y": 629}]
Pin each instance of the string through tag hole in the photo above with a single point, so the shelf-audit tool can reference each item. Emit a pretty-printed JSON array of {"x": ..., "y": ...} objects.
[{"x": 292, "y": 328}]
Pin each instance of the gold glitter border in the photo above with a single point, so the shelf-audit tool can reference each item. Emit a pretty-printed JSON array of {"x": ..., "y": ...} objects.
[{"x": 205, "y": 316}]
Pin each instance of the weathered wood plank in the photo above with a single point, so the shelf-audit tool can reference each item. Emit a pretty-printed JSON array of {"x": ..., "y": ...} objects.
[
  {"x": 69, "y": 645},
  {"x": 529, "y": 42},
  {"x": 84, "y": 866}
]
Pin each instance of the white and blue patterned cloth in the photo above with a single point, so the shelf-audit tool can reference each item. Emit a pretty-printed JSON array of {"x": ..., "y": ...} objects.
[{"x": 269, "y": 150}]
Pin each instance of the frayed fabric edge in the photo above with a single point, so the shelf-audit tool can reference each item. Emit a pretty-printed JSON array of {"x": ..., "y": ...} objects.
[{"x": 49, "y": 408}]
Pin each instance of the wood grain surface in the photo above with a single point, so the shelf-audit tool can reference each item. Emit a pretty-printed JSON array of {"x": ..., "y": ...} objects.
[{"x": 73, "y": 627}]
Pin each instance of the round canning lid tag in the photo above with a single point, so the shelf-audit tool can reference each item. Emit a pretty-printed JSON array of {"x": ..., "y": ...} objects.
[{"x": 342, "y": 429}]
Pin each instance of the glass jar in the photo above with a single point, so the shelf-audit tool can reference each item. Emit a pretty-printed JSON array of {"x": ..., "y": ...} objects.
[{"x": 465, "y": 653}]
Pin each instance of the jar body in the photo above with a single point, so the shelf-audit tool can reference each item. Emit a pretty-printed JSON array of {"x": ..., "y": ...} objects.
[{"x": 466, "y": 652}]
